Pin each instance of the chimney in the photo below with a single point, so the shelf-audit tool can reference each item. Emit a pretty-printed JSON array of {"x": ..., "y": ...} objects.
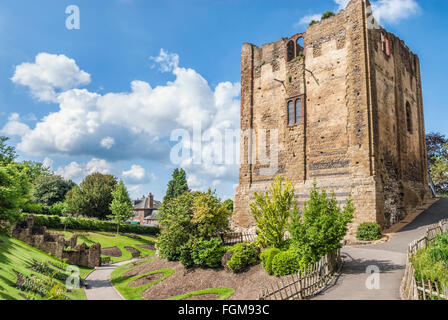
[{"x": 150, "y": 200}]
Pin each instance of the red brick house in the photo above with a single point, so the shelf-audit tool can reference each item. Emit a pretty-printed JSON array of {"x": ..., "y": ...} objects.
[{"x": 145, "y": 210}]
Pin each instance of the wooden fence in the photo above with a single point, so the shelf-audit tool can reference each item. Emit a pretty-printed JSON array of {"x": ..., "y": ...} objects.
[
  {"x": 237, "y": 237},
  {"x": 424, "y": 289},
  {"x": 304, "y": 284}
]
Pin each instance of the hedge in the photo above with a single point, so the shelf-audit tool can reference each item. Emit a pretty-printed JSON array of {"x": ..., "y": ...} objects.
[{"x": 86, "y": 224}]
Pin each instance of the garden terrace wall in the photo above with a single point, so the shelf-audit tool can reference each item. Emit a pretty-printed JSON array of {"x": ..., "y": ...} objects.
[
  {"x": 410, "y": 289},
  {"x": 56, "y": 245}
]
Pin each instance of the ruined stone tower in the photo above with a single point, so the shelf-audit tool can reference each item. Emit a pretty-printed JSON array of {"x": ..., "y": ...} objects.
[{"x": 344, "y": 101}]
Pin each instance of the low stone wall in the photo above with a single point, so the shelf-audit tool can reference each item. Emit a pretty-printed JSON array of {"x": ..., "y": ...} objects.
[{"x": 56, "y": 245}]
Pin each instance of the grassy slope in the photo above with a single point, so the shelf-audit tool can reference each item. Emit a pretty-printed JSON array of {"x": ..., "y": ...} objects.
[
  {"x": 108, "y": 240},
  {"x": 17, "y": 255}
]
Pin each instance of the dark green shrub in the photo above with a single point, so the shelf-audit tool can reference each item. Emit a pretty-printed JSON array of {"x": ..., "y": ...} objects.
[
  {"x": 266, "y": 258},
  {"x": 86, "y": 224},
  {"x": 321, "y": 226},
  {"x": 327, "y": 15},
  {"x": 207, "y": 253},
  {"x": 244, "y": 255},
  {"x": 313, "y": 22},
  {"x": 285, "y": 263},
  {"x": 368, "y": 231}
]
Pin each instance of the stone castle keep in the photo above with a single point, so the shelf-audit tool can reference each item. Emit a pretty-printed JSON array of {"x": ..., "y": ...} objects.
[{"x": 345, "y": 100}]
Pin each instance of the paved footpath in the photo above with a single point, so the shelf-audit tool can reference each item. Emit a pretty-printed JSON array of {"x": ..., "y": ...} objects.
[
  {"x": 389, "y": 257},
  {"x": 98, "y": 283}
]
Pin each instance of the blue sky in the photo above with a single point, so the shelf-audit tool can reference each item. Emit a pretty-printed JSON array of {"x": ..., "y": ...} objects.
[{"x": 124, "y": 96}]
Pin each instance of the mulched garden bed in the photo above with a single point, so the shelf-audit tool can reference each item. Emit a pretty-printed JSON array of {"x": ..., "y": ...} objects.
[
  {"x": 111, "y": 252},
  {"x": 147, "y": 279},
  {"x": 247, "y": 285},
  {"x": 147, "y": 246},
  {"x": 207, "y": 296}
]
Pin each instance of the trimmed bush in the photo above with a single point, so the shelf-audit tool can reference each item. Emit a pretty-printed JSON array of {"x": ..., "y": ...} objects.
[
  {"x": 244, "y": 255},
  {"x": 285, "y": 263},
  {"x": 86, "y": 224},
  {"x": 369, "y": 231},
  {"x": 266, "y": 258},
  {"x": 207, "y": 253}
]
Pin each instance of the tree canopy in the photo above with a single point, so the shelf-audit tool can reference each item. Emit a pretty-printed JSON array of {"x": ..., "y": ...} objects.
[
  {"x": 121, "y": 205},
  {"x": 93, "y": 196},
  {"x": 437, "y": 145},
  {"x": 177, "y": 185}
]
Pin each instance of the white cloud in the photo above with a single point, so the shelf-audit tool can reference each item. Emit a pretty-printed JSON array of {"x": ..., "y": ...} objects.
[
  {"x": 138, "y": 124},
  {"x": 384, "y": 11},
  {"x": 392, "y": 11},
  {"x": 49, "y": 74},
  {"x": 137, "y": 175},
  {"x": 107, "y": 142},
  {"x": 73, "y": 171},
  {"x": 166, "y": 61},
  {"x": 77, "y": 172},
  {"x": 14, "y": 127},
  {"x": 307, "y": 19}
]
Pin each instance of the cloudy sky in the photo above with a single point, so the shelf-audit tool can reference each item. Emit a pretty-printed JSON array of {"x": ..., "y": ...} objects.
[{"x": 111, "y": 96}]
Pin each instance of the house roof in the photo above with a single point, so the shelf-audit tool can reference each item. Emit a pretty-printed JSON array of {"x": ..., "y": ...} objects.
[{"x": 144, "y": 204}]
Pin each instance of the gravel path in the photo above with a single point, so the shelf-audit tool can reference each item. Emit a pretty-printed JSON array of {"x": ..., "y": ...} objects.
[
  {"x": 388, "y": 257},
  {"x": 98, "y": 283}
]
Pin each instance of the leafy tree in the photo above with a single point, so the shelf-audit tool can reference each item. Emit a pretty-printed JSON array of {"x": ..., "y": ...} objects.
[
  {"x": 320, "y": 228},
  {"x": 49, "y": 189},
  {"x": 438, "y": 155},
  {"x": 7, "y": 153},
  {"x": 59, "y": 209},
  {"x": 93, "y": 196},
  {"x": 210, "y": 215},
  {"x": 121, "y": 205},
  {"x": 14, "y": 193},
  {"x": 439, "y": 171},
  {"x": 174, "y": 217},
  {"x": 272, "y": 211},
  {"x": 229, "y": 204},
  {"x": 177, "y": 185}
]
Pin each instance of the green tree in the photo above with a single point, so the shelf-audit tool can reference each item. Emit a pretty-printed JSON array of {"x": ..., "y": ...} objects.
[
  {"x": 14, "y": 193},
  {"x": 174, "y": 217},
  {"x": 177, "y": 185},
  {"x": 210, "y": 216},
  {"x": 121, "y": 205},
  {"x": 229, "y": 204},
  {"x": 272, "y": 211},
  {"x": 439, "y": 169},
  {"x": 93, "y": 196},
  {"x": 321, "y": 226},
  {"x": 7, "y": 153},
  {"x": 49, "y": 189}
]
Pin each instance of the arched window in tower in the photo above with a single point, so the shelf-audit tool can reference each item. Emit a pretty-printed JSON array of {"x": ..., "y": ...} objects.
[
  {"x": 290, "y": 52},
  {"x": 290, "y": 112},
  {"x": 408, "y": 117},
  {"x": 298, "y": 110},
  {"x": 300, "y": 47}
]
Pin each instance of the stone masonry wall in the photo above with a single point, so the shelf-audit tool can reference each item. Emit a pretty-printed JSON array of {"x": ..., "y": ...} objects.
[
  {"x": 56, "y": 245},
  {"x": 340, "y": 142}
]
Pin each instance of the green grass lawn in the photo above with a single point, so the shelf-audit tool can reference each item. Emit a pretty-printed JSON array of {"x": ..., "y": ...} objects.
[
  {"x": 109, "y": 240},
  {"x": 16, "y": 255},
  {"x": 223, "y": 293}
]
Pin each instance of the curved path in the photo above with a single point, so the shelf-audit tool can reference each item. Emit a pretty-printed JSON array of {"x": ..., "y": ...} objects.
[
  {"x": 388, "y": 258},
  {"x": 99, "y": 286}
]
